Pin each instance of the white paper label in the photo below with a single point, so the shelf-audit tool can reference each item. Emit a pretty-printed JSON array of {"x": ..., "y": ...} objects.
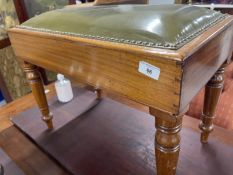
[{"x": 149, "y": 70}]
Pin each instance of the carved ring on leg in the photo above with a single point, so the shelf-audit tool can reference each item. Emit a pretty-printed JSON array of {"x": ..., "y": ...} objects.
[
  {"x": 167, "y": 145},
  {"x": 213, "y": 91},
  {"x": 34, "y": 80},
  {"x": 206, "y": 125},
  {"x": 167, "y": 140},
  {"x": 48, "y": 120}
]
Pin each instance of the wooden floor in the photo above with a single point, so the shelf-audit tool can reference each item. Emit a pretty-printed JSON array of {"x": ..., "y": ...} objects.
[{"x": 33, "y": 161}]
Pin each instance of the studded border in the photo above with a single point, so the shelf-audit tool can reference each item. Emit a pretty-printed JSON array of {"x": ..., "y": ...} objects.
[{"x": 180, "y": 41}]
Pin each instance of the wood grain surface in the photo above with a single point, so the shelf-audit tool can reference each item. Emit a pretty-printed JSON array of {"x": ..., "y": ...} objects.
[
  {"x": 26, "y": 102},
  {"x": 13, "y": 141},
  {"x": 106, "y": 69},
  {"x": 111, "y": 138},
  {"x": 202, "y": 65},
  {"x": 114, "y": 67}
]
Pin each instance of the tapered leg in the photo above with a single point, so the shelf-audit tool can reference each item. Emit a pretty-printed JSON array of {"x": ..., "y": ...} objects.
[
  {"x": 213, "y": 91},
  {"x": 34, "y": 79},
  {"x": 167, "y": 144}
]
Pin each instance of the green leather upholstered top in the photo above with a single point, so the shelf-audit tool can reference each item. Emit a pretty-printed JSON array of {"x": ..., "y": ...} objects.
[{"x": 158, "y": 26}]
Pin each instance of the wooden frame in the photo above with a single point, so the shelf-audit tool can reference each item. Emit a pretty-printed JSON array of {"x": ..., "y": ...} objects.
[{"x": 114, "y": 68}]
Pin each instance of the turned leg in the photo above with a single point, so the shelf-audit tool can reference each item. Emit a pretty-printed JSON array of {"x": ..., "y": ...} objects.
[
  {"x": 34, "y": 79},
  {"x": 213, "y": 91},
  {"x": 167, "y": 143}
]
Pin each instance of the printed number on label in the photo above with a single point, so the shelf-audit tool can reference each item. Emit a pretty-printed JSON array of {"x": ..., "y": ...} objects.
[{"x": 149, "y": 70}]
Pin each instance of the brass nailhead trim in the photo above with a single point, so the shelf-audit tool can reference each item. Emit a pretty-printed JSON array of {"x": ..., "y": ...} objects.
[{"x": 180, "y": 41}]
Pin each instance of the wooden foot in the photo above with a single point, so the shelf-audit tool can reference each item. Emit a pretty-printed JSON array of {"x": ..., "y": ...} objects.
[
  {"x": 213, "y": 91},
  {"x": 98, "y": 93},
  {"x": 167, "y": 143},
  {"x": 34, "y": 79}
]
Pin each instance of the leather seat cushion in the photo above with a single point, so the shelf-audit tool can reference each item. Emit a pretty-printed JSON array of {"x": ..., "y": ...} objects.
[{"x": 158, "y": 26}]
